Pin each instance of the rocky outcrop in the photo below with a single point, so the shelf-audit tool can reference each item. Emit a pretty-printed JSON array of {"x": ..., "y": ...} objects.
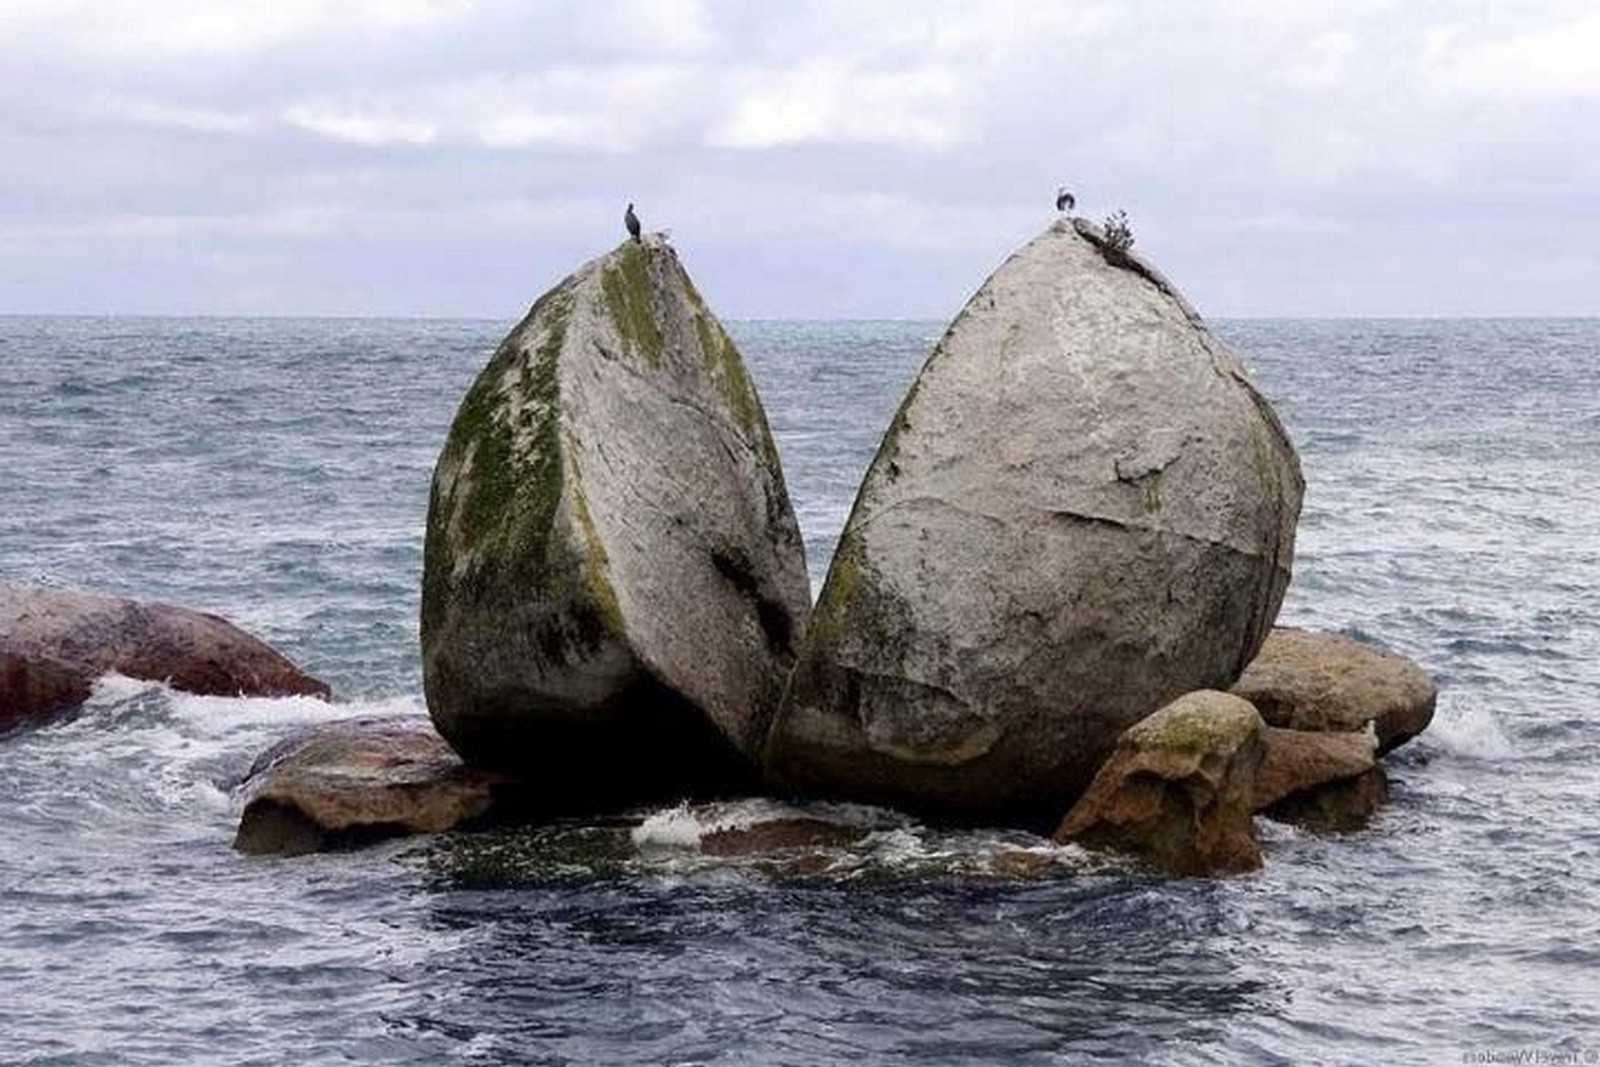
[
  {"x": 55, "y": 643},
  {"x": 346, "y": 784},
  {"x": 1302, "y": 680},
  {"x": 1081, "y": 511},
  {"x": 614, "y": 584},
  {"x": 1321, "y": 780},
  {"x": 1178, "y": 789}
]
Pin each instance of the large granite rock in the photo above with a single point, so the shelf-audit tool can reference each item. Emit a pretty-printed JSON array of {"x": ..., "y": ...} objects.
[
  {"x": 1323, "y": 781},
  {"x": 346, "y": 784},
  {"x": 1178, "y": 789},
  {"x": 614, "y": 583},
  {"x": 1082, "y": 510},
  {"x": 55, "y": 643},
  {"x": 1302, "y": 680}
]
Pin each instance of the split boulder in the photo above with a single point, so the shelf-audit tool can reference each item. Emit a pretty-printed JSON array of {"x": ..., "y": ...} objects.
[
  {"x": 1082, "y": 510},
  {"x": 614, "y": 584}
]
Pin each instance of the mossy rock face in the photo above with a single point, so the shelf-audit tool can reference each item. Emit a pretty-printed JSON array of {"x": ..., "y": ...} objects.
[
  {"x": 1081, "y": 510},
  {"x": 613, "y": 582}
]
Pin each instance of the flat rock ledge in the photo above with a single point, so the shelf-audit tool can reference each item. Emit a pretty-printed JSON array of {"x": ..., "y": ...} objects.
[
  {"x": 1320, "y": 781},
  {"x": 1303, "y": 680},
  {"x": 1178, "y": 789},
  {"x": 54, "y": 643},
  {"x": 347, "y": 784}
]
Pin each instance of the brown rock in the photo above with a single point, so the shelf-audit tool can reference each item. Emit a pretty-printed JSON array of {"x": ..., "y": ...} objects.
[
  {"x": 35, "y": 689},
  {"x": 349, "y": 783},
  {"x": 54, "y": 644},
  {"x": 1301, "y": 680},
  {"x": 1300, "y": 760},
  {"x": 1342, "y": 805},
  {"x": 1177, "y": 789}
]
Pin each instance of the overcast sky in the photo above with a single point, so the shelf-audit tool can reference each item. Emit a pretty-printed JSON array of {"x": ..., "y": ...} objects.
[{"x": 827, "y": 159}]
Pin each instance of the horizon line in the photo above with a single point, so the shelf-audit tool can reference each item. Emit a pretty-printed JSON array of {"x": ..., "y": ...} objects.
[{"x": 357, "y": 317}]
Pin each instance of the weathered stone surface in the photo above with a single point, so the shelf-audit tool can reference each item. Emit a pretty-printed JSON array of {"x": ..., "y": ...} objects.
[
  {"x": 614, "y": 583},
  {"x": 349, "y": 783},
  {"x": 1081, "y": 511},
  {"x": 35, "y": 689},
  {"x": 1302, "y": 680},
  {"x": 55, "y": 643},
  {"x": 1178, "y": 788},
  {"x": 1339, "y": 806},
  {"x": 1297, "y": 761}
]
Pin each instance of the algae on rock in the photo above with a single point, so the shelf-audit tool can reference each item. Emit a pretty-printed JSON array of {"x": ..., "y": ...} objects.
[{"x": 613, "y": 580}]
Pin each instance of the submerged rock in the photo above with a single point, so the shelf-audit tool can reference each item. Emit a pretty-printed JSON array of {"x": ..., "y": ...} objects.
[
  {"x": 350, "y": 783},
  {"x": 1322, "y": 780},
  {"x": 1081, "y": 511},
  {"x": 1302, "y": 680},
  {"x": 55, "y": 643},
  {"x": 614, "y": 583},
  {"x": 1178, "y": 788}
]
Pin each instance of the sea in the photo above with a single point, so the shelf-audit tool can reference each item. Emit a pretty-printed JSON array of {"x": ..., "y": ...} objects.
[{"x": 276, "y": 471}]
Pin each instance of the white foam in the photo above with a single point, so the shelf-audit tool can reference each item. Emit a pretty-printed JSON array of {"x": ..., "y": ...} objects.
[
  {"x": 685, "y": 826},
  {"x": 1470, "y": 731},
  {"x": 674, "y": 828}
]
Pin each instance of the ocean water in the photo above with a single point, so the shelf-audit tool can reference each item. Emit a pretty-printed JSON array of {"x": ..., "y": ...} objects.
[{"x": 276, "y": 471}]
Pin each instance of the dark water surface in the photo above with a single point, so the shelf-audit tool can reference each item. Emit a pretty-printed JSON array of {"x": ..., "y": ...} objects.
[{"x": 276, "y": 471}]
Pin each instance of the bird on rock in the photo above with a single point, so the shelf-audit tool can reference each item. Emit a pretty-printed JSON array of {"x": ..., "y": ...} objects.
[
  {"x": 631, "y": 221},
  {"x": 1065, "y": 201}
]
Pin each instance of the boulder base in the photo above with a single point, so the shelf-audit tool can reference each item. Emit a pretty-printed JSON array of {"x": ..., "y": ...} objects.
[
  {"x": 55, "y": 643},
  {"x": 1081, "y": 511},
  {"x": 347, "y": 784},
  {"x": 1302, "y": 680},
  {"x": 1177, "y": 790}
]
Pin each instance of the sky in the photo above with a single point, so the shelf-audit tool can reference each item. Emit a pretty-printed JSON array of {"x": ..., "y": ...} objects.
[{"x": 811, "y": 159}]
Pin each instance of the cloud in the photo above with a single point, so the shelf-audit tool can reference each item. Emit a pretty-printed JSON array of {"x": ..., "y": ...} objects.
[
  {"x": 867, "y": 142},
  {"x": 1560, "y": 60},
  {"x": 828, "y": 102},
  {"x": 146, "y": 112},
  {"x": 361, "y": 127},
  {"x": 153, "y": 29}
]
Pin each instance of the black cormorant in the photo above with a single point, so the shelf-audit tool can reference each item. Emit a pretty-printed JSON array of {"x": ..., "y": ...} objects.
[
  {"x": 1065, "y": 201},
  {"x": 631, "y": 221}
]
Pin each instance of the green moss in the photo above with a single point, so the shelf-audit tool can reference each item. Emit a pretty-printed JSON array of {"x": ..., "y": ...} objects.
[
  {"x": 722, "y": 361},
  {"x": 1187, "y": 730},
  {"x": 596, "y": 564},
  {"x": 625, "y": 281},
  {"x": 500, "y": 475}
]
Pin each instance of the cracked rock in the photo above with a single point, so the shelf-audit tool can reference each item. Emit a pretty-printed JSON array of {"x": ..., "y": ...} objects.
[{"x": 1082, "y": 510}]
